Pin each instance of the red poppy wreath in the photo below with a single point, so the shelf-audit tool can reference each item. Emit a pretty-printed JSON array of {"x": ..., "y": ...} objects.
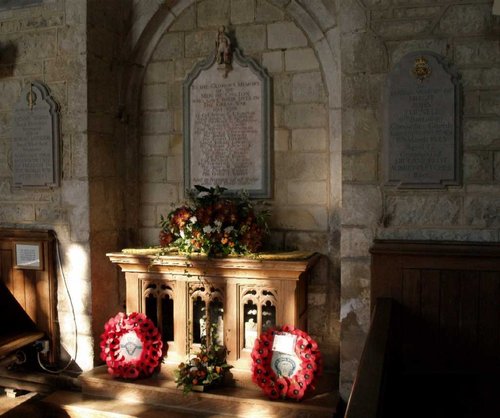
[
  {"x": 131, "y": 346},
  {"x": 285, "y": 363}
]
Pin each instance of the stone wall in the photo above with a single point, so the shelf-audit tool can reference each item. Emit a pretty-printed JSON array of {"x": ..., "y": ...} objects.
[
  {"x": 47, "y": 42},
  {"x": 79, "y": 56},
  {"x": 121, "y": 136},
  {"x": 107, "y": 24},
  {"x": 375, "y": 35}
]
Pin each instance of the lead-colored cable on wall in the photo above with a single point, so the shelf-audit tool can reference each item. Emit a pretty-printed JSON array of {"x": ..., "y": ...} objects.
[{"x": 59, "y": 263}]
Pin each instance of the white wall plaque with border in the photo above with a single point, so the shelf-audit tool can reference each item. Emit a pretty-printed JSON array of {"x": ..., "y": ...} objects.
[
  {"x": 226, "y": 127},
  {"x": 28, "y": 255}
]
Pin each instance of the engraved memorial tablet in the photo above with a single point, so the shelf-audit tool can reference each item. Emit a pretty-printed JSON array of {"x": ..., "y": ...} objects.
[
  {"x": 17, "y": 4},
  {"x": 421, "y": 130},
  {"x": 35, "y": 138},
  {"x": 226, "y": 123}
]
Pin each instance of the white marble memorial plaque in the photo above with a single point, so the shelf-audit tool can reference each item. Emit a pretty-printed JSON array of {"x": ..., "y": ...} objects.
[
  {"x": 227, "y": 127},
  {"x": 35, "y": 138}
]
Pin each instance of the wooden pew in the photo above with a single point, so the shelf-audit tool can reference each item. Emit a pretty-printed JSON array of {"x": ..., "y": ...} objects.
[
  {"x": 433, "y": 349},
  {"x": 34, "y": 287},
  {"x": 369, "y": 389},
  {"x": 17, "y": 330}
]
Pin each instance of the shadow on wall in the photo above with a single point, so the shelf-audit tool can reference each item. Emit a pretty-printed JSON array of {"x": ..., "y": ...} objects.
[{"x": 8, "y": 55}]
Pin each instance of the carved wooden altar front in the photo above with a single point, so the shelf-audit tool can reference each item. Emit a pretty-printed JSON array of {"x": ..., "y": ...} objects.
[{"x": 244, "y": 296}]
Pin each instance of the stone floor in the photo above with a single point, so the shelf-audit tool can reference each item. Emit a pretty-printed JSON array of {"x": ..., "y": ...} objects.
[
  {"x": 65, "y": 404},
  {"x": 101, "y": 396},
  {"x": 228, "y": 401}
]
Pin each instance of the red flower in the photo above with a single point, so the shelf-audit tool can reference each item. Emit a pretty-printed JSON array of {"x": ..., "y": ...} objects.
[
  {"x": 299, "y": 378},
  {"x": 266, "y": 339},
  {"x": 131, "y": 373},
  {"x": 307, "y": 356},
  {"x": 295, "y": 391},
  {"x": 180, "y": 217},
  {"x": 301, "y": 345},
  {"x": 261, "y": 352},
  {"x": 271, "y": 391},
  {"x": 258, "y": 370},
  {"x": 166, "y": 238},
  {"x": 313, "y": 344},
  {"x": 279, "y": 386},
  {"x": 300, "y": 333},
  {"x": 309, "y": 366},
  {"x": 263, "y": 381},
  {"x": 307, "y": 376},
  {"x": 282, "y": 384},
  {"x": 150, "y": 346}
]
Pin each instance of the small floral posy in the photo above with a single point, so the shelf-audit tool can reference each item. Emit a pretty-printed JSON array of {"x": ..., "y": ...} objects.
[
  {"x": 286, "y": 375},
  {"x": 212, "y": 223},
  {"x": 207, "y": 368}
]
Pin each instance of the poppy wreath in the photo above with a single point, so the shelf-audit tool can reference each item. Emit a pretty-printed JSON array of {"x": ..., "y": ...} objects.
[
  {"x": 280, "y": 386},
  {"x": 131, "y": 346}
]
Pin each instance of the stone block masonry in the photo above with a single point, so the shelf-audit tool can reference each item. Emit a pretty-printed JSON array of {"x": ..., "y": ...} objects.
[
  {"x": 47, "y": 42},
  {"x": 376, "y": 34}
]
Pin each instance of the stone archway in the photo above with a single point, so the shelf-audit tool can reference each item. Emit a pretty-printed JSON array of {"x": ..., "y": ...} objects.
[{"x": 313, "y": 18}]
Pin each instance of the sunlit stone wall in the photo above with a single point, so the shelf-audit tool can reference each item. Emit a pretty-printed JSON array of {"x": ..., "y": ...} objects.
[{"x": 47, "y": 42}]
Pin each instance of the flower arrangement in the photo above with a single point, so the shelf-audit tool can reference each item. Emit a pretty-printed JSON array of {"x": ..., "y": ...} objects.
[
  {"x": 212, "y": 223},
  {"x": 285, "y": 375},
  {"x": 207, "y": 368},
  {"x": 131, "y": 346}
]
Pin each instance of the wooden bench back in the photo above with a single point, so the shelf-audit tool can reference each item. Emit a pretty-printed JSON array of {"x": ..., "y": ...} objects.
[
  {"x": 450, "y": 299},
  {"x": 33, "y": 289}
]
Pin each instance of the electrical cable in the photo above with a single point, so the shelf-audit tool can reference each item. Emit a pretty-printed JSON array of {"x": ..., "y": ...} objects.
[{"x": 58, "y": 255}]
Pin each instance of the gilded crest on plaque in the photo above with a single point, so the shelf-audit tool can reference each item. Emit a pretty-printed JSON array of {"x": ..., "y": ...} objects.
[{"x": 421, "y": 69}]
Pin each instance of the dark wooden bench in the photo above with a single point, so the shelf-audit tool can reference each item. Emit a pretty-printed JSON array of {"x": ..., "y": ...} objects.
[
  {"x": 16, "y": 328},
  {"x": 433, "y": 349},
  {"x": 28, "y": 296}
]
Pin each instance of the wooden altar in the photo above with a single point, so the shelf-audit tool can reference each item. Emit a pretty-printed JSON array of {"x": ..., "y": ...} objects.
[{"x": 244, "y": 296}]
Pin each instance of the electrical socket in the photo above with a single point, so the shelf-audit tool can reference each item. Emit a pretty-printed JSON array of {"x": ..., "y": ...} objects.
[{"x": 42, "y": 346}]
